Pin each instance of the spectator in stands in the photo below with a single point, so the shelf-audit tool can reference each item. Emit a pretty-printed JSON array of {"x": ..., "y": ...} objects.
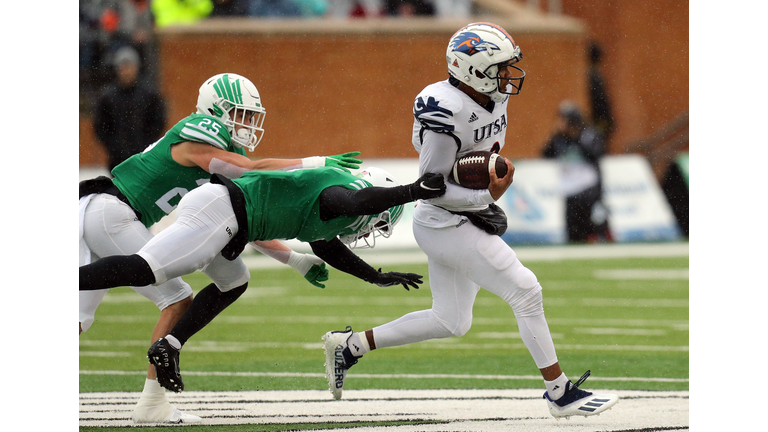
[
  {"x": 129, "y": 115},
  {"x": 105, "y": 26},
  {"x": 578, "y": 148},
  {"x": 180, "y": 12},
  {"x": 409, "y": 8},
  {"x": 452, "y": 8},
  {"x": 355, "y": 8},
  {"x": 228, "y": 8},
  {"x": 602, "y": 113},
  {"x": 667, "y": 152},
  {"x": 274, "y": 9}
]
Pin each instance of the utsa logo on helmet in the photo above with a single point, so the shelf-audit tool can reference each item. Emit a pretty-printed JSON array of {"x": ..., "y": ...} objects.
[{"x": 470, "y": 43}]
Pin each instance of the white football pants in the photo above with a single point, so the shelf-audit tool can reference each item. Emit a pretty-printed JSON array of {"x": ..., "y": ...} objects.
[
  {"x": 461, "y": 260},
  {"x": 110, "y": 227},
  {"x": 205, "y": 222}
]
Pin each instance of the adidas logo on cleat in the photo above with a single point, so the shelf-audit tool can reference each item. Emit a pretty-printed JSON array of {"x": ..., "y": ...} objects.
[{"x": 593, "y": 405}]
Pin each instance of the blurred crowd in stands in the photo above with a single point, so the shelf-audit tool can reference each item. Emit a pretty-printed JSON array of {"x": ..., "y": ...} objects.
[
  {"x": 118, "y": 36},
  {"x": 108, "y": 25}
]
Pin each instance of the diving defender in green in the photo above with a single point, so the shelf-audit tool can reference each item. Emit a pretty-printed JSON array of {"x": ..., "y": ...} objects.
[
  {"x": 326, "y": 207},
  {"x": 116, "y": 213}
]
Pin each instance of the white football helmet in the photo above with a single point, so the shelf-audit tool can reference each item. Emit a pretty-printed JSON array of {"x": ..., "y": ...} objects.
[
  {"x": 474, "y": 54},
  {"x": 235, "y": 100},
  {"x": 382, "y": 224}
]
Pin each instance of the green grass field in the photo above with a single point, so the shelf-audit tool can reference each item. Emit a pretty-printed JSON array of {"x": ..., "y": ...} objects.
[{"x": 620, "y": 318}]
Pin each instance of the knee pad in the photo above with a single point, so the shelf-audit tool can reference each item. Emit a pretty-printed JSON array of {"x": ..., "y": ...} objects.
[
  {"x": 522, "y": 276},
  {"x": 457, "y": 327},
  {"x": 530, "y": 304}
]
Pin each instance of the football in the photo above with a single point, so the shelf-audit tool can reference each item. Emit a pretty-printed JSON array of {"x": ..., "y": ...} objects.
[{"x": 473, "y": 170}]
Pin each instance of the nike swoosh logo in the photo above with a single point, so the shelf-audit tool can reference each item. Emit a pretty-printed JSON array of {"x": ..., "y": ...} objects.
[{"x": 423, "y": 186}]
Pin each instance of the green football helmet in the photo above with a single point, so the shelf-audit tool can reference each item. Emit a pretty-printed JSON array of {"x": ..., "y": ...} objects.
[
  {"x": 236, "y": 101},
  {"x": 380, "y": 225}
]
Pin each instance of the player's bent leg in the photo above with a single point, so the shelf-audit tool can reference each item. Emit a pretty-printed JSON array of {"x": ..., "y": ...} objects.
[
  {"x": 164, "y": 353},
  {"x": 89, "y": 302},
  {"x": 202, "y": 228}
]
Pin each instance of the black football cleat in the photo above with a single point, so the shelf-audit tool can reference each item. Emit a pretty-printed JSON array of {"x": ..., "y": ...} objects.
[{"x": 165, "y": 358}]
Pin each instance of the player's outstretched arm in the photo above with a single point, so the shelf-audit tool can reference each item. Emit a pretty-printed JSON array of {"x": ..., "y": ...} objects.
[
  {"x": 345, "y": 161},
  {"x": 311, "y": 267},
  {"x": 338, "y": 201},
  {"x": 337, "y": 255}
]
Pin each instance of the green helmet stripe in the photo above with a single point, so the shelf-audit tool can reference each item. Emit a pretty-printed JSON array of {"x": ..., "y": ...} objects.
[
  {"x": 395, "y": 212},
  {"x": 238, "y": 93}
]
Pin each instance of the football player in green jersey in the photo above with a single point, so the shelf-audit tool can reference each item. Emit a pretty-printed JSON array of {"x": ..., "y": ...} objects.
[
  {"x": 115, "y": 214},
  {"x": 326, "y": 207}
]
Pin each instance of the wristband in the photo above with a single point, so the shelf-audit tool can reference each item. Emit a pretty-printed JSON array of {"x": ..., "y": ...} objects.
[
  {"x": 299, "y": 262},
  {"x": 313, "y": 162}
]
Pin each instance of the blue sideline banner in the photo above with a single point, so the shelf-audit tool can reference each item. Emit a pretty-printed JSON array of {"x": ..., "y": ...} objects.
[
  {"x": 638, "y": 209},
  {"x": 534, "y": 205}
]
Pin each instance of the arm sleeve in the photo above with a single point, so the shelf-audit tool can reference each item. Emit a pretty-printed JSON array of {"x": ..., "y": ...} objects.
[
  {"x": 338, "y": 256},
  {"x": 338, "y": 201},
  {"x": 438, "y": 154}
]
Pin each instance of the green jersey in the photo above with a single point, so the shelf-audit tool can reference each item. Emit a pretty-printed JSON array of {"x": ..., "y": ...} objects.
[
  {"x": 286, "y": 205},
  {"x": 154, "y": 183}
]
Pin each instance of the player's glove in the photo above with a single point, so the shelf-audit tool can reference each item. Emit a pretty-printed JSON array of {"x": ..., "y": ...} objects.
[
  {"x": 311, "y": 267},
  {"x": 428, "y": 186},
  {"x": 344, "y": 161},
  {"x": 397, "y": 278}
]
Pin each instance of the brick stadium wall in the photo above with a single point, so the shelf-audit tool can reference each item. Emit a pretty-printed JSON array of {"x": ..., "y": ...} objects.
[
  {"x": 335, "y": 86},
  {"x": 646, "y": 60},
  {"x": 331, "y": 87}
]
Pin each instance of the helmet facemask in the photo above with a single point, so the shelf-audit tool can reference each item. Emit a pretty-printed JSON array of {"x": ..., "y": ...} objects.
[
  {"x": 380, "y": 225},
  {"x": 245, "y": 126},
  {"x": 505, "y": 86}
]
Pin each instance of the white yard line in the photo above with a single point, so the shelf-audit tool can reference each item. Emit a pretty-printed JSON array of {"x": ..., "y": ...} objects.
[{"x": 458, "y": 410}]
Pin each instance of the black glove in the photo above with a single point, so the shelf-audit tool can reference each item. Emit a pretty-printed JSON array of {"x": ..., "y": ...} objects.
[
  {"x": 394, "y": 278},
  {"x": 428, "y": 186}
]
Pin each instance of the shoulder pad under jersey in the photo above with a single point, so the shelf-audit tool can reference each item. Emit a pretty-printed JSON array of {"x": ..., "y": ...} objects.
[
  {"x": 205, "y": 129},
  {"x": 435, "y": 106}
]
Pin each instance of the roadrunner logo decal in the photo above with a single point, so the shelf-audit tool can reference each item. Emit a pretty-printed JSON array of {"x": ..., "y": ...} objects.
[{"x": 470, "y": 43}]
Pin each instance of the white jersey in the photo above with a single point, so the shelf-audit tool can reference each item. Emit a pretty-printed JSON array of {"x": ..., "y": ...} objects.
[{"x": 442, "y": 108}]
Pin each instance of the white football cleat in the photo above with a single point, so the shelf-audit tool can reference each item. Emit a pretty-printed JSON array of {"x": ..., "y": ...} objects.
[
  {"x": 579, "y": 402},
  {"x": 338, "y": 359},
  {"x": 180, "y": 417}
]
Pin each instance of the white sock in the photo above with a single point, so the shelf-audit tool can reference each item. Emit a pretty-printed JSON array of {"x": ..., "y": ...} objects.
[
  {"x": 173, "y": 341},
  {"x": 151, "y": 386},
  {"x": 556, "y": 388},
  {"x": 358, "y": 344},
  {"x": 152, "y": 405}
]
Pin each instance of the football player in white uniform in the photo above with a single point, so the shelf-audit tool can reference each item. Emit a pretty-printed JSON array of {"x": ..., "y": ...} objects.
[
  {"x": 115, "y": 214},
  {"x": 468, "y": 112}
]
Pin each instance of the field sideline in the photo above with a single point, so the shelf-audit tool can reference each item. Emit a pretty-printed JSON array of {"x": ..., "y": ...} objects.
[{"x": 260, "y": 362}]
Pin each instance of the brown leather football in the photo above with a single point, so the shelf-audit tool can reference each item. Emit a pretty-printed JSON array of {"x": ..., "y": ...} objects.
[{"x": 473, "y": 170}]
